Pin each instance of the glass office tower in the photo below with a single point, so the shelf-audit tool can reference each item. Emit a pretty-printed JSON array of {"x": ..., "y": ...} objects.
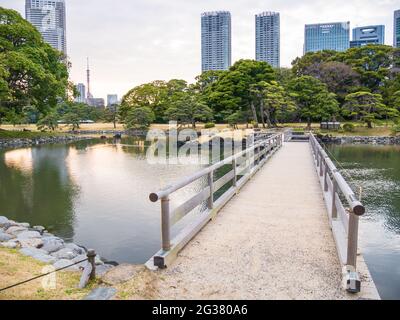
[
  {"x": 396, "y": 29},
  {"x": 368, "y": 35},
  {"x": 327, "y": 36}
]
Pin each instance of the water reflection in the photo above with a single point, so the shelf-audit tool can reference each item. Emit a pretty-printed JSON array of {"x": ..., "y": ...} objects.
[
  {"x": 376, "y": 169},
  {"x": 92, "y": 192}
]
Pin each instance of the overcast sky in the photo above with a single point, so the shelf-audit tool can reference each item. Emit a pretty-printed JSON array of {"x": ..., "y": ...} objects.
[{"x": 130, "y": 42}]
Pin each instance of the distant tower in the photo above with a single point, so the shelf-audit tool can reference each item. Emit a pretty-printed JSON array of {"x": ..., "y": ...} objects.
[
  {"x": 89, "y": 94},
  {"x": 216, "y": 40},
  {"x": 268, "y": 38},
  {"x": 50, "y": 19}
]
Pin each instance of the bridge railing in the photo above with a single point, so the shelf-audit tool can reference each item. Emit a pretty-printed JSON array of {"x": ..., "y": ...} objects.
[
  {"x": 343, "y": 217},
  {"x": 244, "y": 165}
]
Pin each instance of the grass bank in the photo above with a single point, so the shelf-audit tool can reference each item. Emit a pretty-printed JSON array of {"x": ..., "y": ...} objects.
[{"x": 15, "y": 267}]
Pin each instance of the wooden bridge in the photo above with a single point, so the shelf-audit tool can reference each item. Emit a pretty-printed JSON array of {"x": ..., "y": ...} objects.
[{"x": 285, "y": 227}]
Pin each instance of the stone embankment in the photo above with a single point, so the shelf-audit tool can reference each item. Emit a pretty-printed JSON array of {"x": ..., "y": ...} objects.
[
  {"x": 43, "y": 246},
  {"x": 389, "y": 140},
  {"x": 19, "y": 142}
]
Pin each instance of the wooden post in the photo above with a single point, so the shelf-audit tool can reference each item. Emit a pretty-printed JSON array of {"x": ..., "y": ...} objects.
[
  {"x": 334, "y": 192},
  {"x": 91, "y": 255},
  {"x": 211, "y": 185},
  {"x": 165, "y": 224},
  {"x": 234, "y": 172},
  {"x": 326, "y": 177},
  {"x": 352, "y": 240},
  {"x": 321, "y": 166}
]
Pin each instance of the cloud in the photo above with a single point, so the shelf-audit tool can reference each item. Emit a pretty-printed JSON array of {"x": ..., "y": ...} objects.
[{"x": 131, "y": 42}]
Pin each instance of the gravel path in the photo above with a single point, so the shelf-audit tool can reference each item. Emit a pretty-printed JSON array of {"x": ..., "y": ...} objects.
[{"x": 272, "y": 241}]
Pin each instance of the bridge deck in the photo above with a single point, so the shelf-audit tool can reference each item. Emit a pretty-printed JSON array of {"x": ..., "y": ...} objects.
[{"x": 271, "y": 241}]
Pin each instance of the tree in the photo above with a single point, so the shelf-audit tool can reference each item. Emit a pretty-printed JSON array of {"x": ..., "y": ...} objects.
[
  {"x": 367, "y": 107},
  {"x": 139, "y": 118},
  {"x": 110, "y": 114},
  {"x": 49, "y": 121},
  {"x": 157, "y": 95},
  {"x": 373, "y": 63},
  {"x": 301, "y": 65},
  {"x": 234, "y": 119},
  {"x": 339, "y": 77},
  {"x": 313, "y": 100},
  {"x": 231, "y": 92},
  {"x": 31, "y": 71},
  {"x": 188, "y": 109}
]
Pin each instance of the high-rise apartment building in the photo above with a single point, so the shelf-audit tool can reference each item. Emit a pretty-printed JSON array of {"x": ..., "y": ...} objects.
[
  {"x": 268, "y": 38},
  {"x": 49, "y": 17},
  {"x": 81, "y": 98},
  {"x": 368, "y": 35},
  {"x": 327, "y": 36},
  {"x": 216, "y": 47},
  {"x": 396, "y": 29},
  {"x": 112, "y": 100}
]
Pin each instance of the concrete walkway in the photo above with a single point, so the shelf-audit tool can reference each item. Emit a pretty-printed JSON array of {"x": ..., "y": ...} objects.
[{"x": 271, "y": 241}]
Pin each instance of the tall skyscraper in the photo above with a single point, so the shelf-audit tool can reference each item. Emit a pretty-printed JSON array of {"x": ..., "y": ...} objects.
[
  {"x": 396, "y": 29},
  {"x": 268, "y": 38},
  {"x": 368, "y": 35},
  {"x": 112, "y": 99},
  {"x": 81, "y": 98},
  {"x": 327, "y": 36},
  {"x": 216, "y": 48},
  {"x": 49, "y": 17}
]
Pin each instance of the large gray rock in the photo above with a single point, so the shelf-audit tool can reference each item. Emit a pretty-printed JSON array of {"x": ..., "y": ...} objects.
[
  {"x": 52, "y": 244},
  {"x": 9, "y": 244},
  {"x": 101, "y": 293},
  {"x": 15, "y": 230},
  {"x": 65, "y": 253},
  {"x": 64, "y": 263},
  {"x": 31, "y": 243},
  {"x": 39, "y": 229},
  {"x": 28, "y": 235},
  {"x": 24, "y": 224},
  {"x": 3, "y": 221},
  {"x": 76, "y": 249},
  {"x": 44, "y": 258},
  {"x": 81, "y": 257},
  {"x": 101, "y": 270},
  {"x": 30, "y": 252},
  {"x": 122, "y": 273},
  {"x": 5, "y": 236}
]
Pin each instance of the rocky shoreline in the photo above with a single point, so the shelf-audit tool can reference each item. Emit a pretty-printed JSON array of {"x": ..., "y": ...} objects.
[
  {"x": 389, "y": 140},
  {"x": 19, "y": 142},
  {"x": 38, "y": 243}
]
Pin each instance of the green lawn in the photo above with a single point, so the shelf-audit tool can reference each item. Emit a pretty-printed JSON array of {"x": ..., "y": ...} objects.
[{"x": 11, "y": 134}]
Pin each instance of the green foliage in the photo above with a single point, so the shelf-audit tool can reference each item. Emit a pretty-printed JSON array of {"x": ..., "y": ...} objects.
[
  {"x": 366, "y": 107},
  {"x": 348, "y": 127},
  {"x": 139, "y": 118},
  {"x": 31, "y": 71},
  {"x": 188, "y": 109},
  {"x": 313, "y": 99},
  {"x": 49, "y": 121},
  {"x": 231, "y": 92},
  {"x": 396, "y": 129},
  {"x": 209, "y": 125}
]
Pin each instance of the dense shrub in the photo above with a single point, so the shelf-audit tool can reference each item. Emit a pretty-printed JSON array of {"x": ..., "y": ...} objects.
[
  {"x": 348, "y": 127},
  {"x": 209, "y": 125}
]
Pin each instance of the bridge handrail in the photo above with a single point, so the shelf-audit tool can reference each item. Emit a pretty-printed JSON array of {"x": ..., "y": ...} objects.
[
  {"x": 262, "y": 149},
  {"x": 344, "y": 222}
]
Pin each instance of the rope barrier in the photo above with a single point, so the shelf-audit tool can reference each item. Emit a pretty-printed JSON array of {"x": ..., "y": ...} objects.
[{"x": 43, "y": 275}]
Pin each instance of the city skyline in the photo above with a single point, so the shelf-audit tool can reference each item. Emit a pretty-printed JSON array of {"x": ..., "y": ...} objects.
[{"x": 135, "y": 50}]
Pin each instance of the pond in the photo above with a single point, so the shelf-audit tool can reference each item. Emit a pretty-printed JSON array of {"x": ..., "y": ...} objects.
[
  {"x": 376, "y": 169},
  {"x": 94, "y": 193}
]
